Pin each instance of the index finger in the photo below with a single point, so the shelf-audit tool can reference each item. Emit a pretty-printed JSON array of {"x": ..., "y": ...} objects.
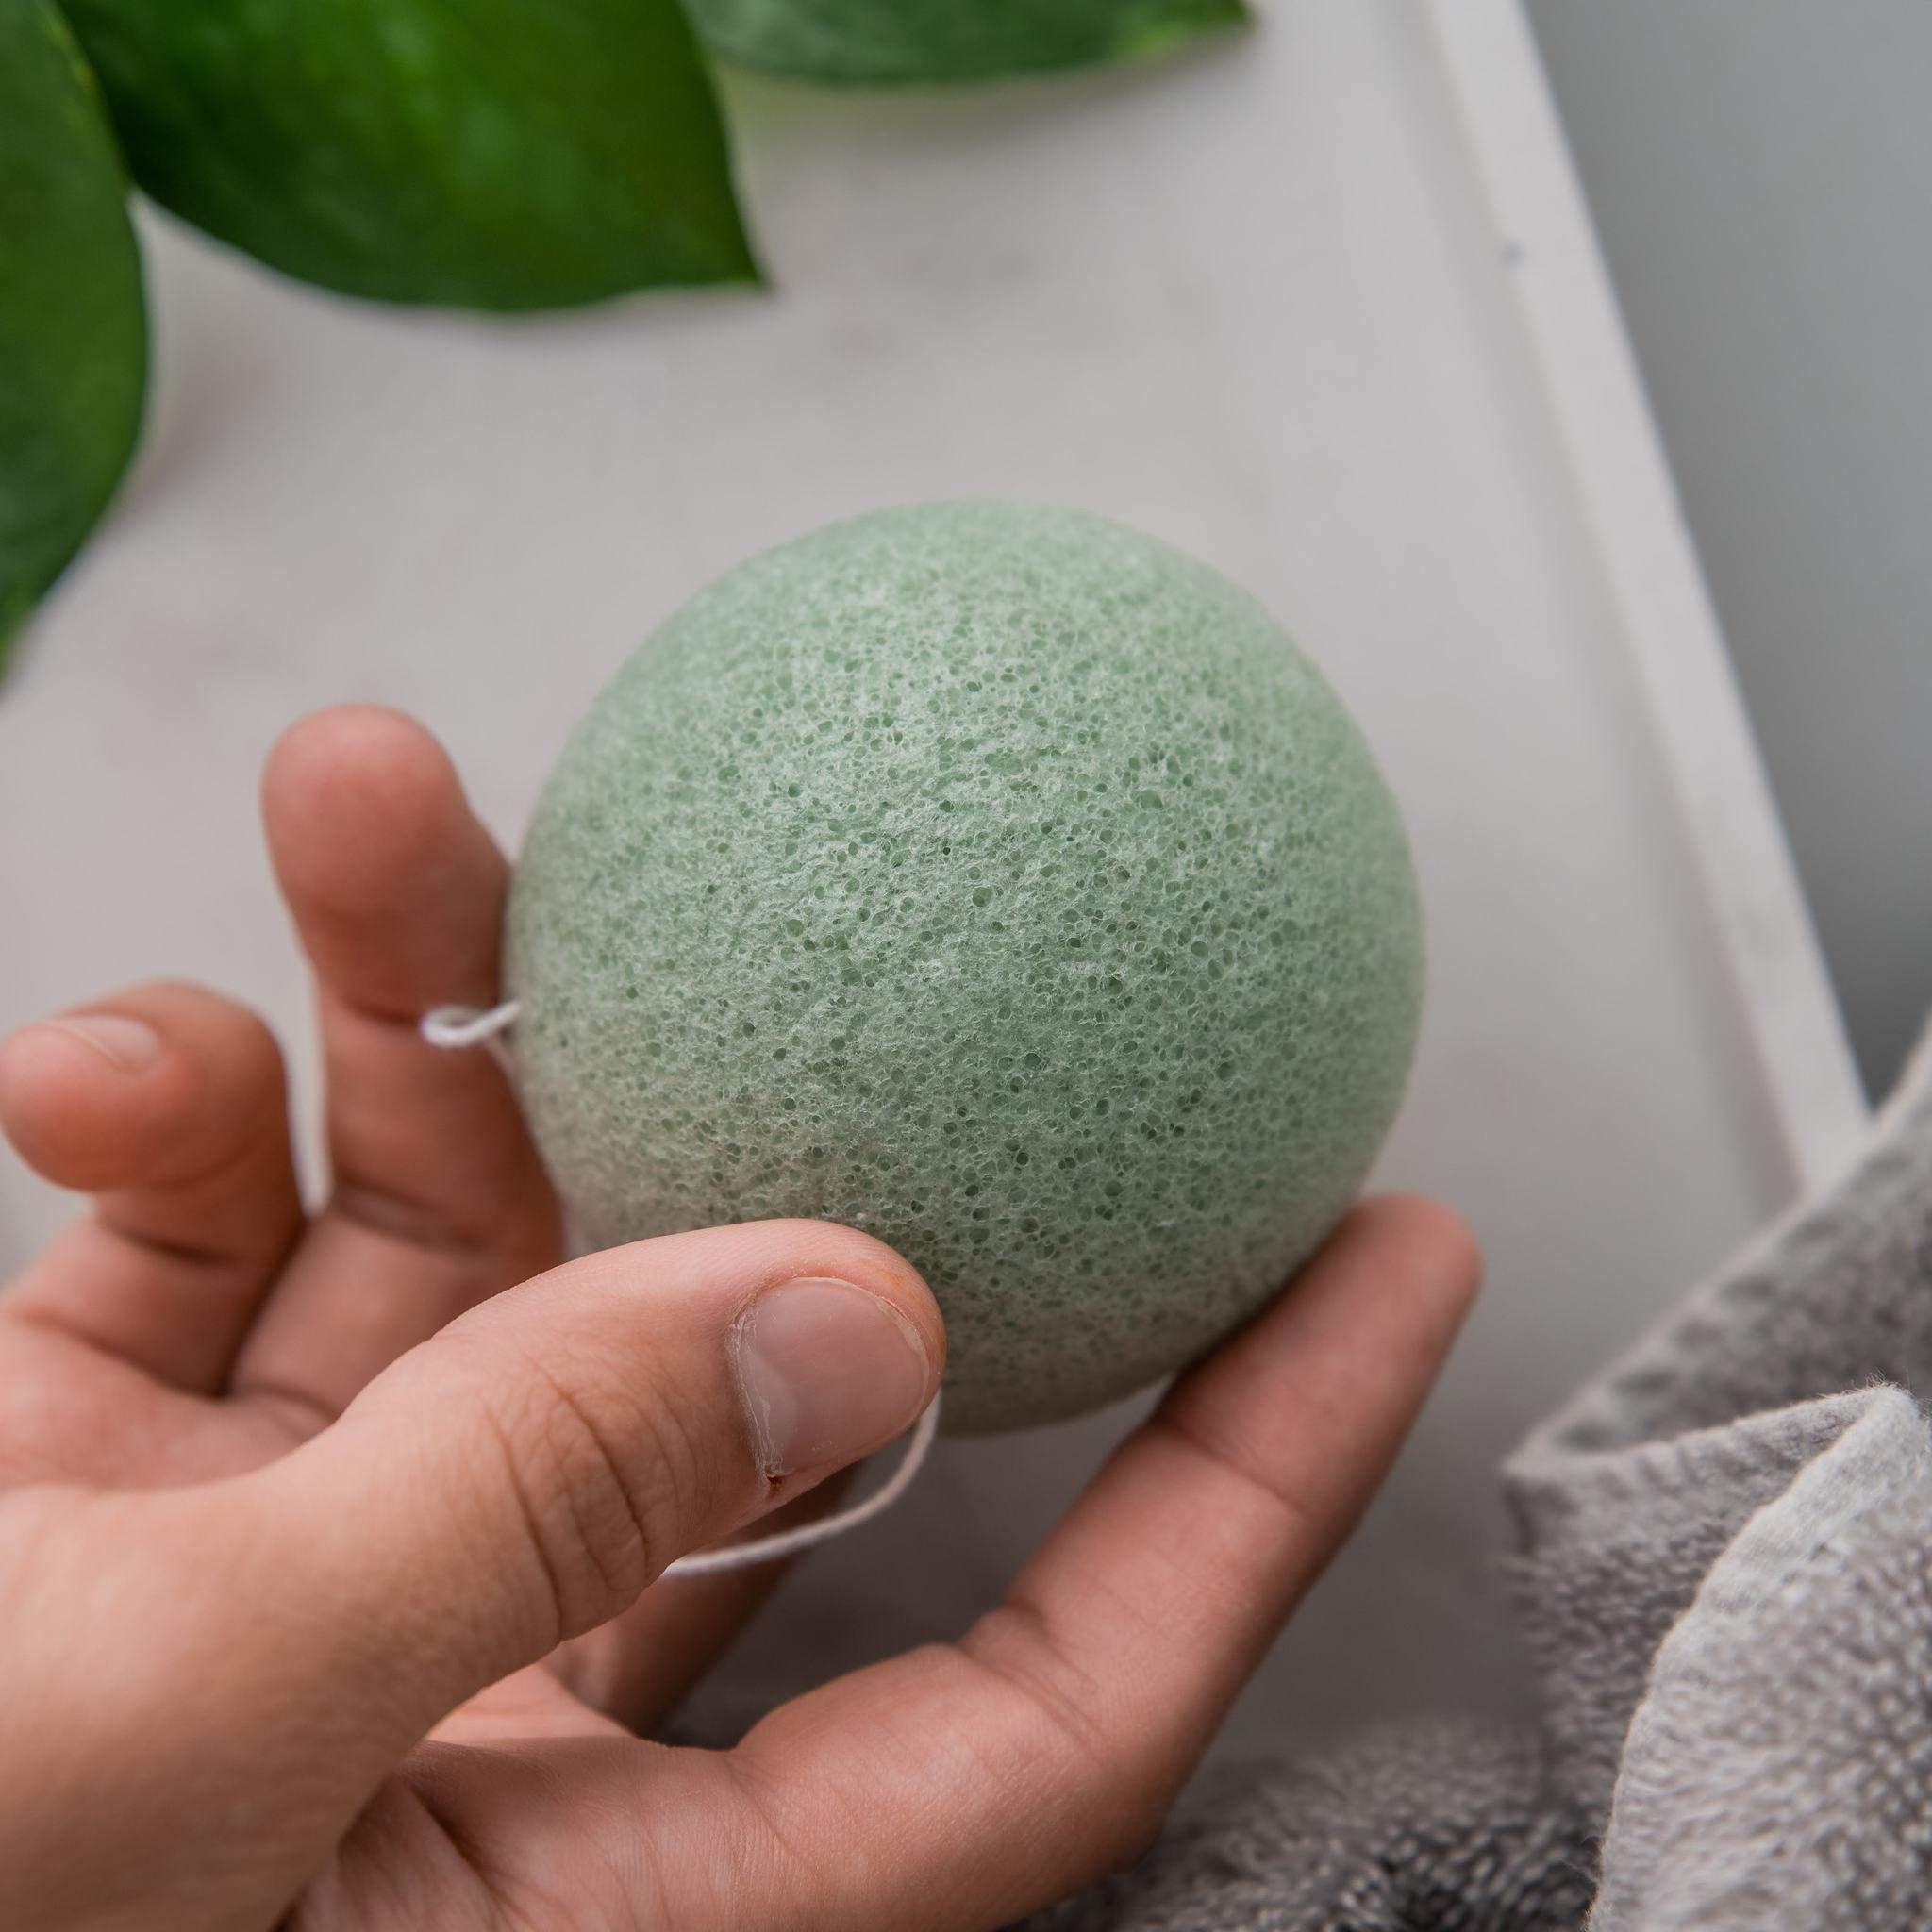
[{"x": 439, "y": 1199}]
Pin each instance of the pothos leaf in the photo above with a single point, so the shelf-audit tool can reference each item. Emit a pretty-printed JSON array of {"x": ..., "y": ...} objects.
[
  {"x": 488, "y": 153},
  {"x": 73, "y": 330},
  {"x": 937, "y": 40}
]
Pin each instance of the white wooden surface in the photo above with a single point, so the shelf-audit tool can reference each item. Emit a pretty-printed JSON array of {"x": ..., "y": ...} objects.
[
  {"x": 1254, "y": 301},
  {"x": 1577, "y": 345}
]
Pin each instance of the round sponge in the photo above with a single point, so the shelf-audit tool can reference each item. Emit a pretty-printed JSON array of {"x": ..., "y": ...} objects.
[{"x": 997, "y": 880}]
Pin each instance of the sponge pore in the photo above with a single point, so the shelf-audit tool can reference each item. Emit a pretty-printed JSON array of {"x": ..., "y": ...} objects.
[{"x": 1000, "y": 881}]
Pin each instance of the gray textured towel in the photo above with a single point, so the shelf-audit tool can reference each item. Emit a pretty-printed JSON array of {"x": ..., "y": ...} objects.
[{"x": 1726, "y": 1574}]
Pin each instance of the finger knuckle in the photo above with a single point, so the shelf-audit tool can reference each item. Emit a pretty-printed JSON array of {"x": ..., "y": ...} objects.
[
  {"x": 1115, "y": 1784},
  {"x": 599, "y": 1482}
]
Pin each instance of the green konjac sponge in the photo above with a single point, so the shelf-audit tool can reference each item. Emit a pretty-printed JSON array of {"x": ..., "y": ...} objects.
[{"x": 995, "y": 880}]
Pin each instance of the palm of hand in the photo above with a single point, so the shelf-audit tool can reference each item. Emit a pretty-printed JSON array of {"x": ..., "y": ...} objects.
[{"x": 199, "y": 1326}]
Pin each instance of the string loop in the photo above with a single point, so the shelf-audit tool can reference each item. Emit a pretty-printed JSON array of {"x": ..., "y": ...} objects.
[
  {"x": 787, "y": 1543},
  {"x": 454, "y": 1029}
]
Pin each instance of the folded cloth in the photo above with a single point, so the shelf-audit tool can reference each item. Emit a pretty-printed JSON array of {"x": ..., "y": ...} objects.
[
  {"x": 1441, "y": 1824},
  {"x": 1724, "y": 1571}
]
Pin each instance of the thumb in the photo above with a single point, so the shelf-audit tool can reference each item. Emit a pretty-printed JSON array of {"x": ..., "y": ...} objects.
[{"x": 521, "y": 1477}]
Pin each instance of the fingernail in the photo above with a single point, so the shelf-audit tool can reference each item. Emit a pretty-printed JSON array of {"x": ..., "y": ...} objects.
[
  {"x": 828, "y": 1372},
  {"x": 131, "y": 1046}
]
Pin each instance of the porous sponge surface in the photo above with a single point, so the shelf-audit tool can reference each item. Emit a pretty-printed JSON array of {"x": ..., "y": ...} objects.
[{"x": 998, "y": 880}]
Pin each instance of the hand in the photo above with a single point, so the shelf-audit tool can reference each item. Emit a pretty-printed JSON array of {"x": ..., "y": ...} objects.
[{"x": 327, "y": 1549}]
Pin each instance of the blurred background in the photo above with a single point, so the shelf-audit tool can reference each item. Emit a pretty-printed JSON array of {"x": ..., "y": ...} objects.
[
  {"x": 1317, "y": 301},
  {"x": 1757, "y": 173}
]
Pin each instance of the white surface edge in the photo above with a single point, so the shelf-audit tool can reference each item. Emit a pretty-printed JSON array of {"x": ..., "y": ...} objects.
[{"x": 1546, "y": 244}]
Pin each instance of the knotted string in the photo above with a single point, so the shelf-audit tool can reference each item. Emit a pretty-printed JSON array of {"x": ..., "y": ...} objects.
[{"x": 456, "y": 1028}]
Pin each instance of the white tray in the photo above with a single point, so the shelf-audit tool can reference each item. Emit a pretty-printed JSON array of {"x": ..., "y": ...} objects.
[{"x": 1319, "y": 304}]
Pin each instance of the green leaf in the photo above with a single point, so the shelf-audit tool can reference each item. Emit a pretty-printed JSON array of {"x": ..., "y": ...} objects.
[
  {"x": 489, "y": 154},
  {"x": 73, "y": 332},
  {"x": 885, "y": 41}
]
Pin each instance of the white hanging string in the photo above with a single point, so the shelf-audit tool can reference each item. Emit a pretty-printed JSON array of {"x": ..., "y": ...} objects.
[
  {"x": 460, "y": 1026},
  {"x": 456, "y": 1028},
  {"x": 787, "y": 1543}
]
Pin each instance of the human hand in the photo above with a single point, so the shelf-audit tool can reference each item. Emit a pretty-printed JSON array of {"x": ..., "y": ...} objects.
[{"x": 327, "y": 1543}]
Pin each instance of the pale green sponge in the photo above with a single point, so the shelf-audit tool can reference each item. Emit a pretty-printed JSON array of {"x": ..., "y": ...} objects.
[{"x": 997, "y": 880}]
